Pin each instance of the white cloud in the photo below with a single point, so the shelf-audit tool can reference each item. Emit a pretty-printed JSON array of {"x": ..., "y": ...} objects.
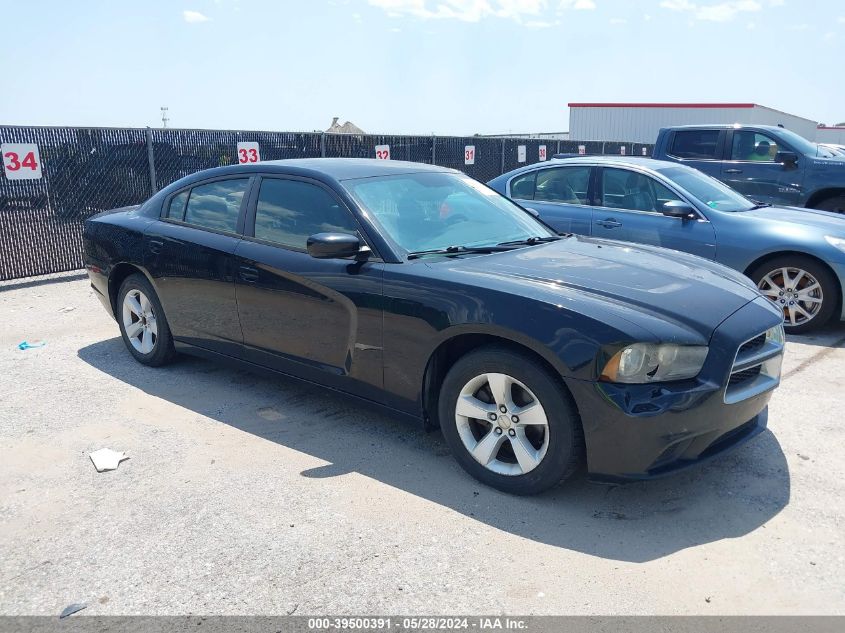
[
  {"x": 528, "y": 12},
  {"x": 721, "y": 12},
  {"x": 193, "y": 17},
  {"x": 841, "y": 19},
  {"x": 618, "y": 21}
]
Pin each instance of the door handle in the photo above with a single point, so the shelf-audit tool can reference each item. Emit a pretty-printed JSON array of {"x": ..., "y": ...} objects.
[
  {"x": 248, "y": 274},
  {"x": 155, "y": 246},
  {"x": 609, "y": 223},
  {"x": 733, "y": 171}
]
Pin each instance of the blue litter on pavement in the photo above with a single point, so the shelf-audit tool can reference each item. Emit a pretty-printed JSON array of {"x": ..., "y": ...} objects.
[{"x": 34, "y": 345}]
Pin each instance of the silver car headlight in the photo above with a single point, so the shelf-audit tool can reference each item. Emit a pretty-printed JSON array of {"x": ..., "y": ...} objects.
[
  {"x": 649, "y": 362},
  {"x": 836, "y": 242}
]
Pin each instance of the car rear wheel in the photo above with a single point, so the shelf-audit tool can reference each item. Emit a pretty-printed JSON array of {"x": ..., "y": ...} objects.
[
  {"x": 143, "y": 325},
  {"x": 805, "y": 290},
  {"x": 509, "y": 423},
  {"x": 835, "y": 204}
]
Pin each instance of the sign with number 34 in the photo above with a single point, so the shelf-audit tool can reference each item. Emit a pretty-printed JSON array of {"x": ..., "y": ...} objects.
[{"x": 21, "y": 161}]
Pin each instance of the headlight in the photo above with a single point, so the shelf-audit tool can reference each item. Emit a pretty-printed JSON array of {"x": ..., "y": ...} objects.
[
  {"x": 648, "y": 362},
  {"x": 836, "y": 242},
  {"x": 776, "y": 335}
]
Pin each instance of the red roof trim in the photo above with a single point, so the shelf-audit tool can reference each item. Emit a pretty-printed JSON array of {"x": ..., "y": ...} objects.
[{"x": 662, "y": 105}]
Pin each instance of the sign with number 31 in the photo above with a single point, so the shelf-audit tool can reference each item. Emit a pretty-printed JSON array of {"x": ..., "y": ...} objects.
[{"x": 21, "y": 161}]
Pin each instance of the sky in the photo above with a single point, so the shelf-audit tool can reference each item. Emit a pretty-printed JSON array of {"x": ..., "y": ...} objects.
[{"x": 409, "y": 66}]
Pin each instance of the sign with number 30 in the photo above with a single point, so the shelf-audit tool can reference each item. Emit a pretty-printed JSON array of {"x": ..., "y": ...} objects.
[{"x": 21, "y": 161}]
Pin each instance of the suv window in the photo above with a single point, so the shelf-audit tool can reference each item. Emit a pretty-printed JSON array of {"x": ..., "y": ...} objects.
[
  {"x": 753, "y": 146},
  {"x": 623, "y": 189},
  {"x": 290, "y": 211},
  {"x": 522, "y": 187},
  {"x": 701, "y": 144},
  {"x": 563, "y": 184},
  {"x": 176, "y": 210},
  {"x": 216, "y": 205}
]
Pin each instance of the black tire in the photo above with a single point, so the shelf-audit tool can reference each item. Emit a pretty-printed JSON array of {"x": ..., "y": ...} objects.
[
  {"x": 829, "y": 289},
  {"x": 565, "y": 435},
  {"x": 835, "y": 204},
  {"x": 162, "y": 351}
]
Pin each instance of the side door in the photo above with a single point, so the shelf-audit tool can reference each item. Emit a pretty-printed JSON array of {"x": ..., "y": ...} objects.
[
  {"x": 629, "y": 210},
  {"x": 753, "y": 171},
  {"x": 189, "y": 253},
  {"x": 319, "y": 319},
  {"x": 561, "y": 195},
  {"x": 701, "y": 149}
]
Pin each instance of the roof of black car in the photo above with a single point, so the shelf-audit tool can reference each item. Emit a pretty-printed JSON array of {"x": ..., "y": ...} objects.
[
  {"x": 722, "y": 126},
  {"x": 348, "y": 168}
]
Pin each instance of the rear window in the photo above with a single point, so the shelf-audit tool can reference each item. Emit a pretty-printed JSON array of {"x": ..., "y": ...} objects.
[{"x": 699, "y": 144}]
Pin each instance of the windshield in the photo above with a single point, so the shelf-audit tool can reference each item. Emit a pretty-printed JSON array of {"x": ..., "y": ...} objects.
[
  {"x": 710, "y": 191},
  {"x": 427, "y": 211},
  {"x": 803, "y": 146}
]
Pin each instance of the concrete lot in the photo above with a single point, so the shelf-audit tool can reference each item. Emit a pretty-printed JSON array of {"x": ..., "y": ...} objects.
[{"x": 247, "y": 495}]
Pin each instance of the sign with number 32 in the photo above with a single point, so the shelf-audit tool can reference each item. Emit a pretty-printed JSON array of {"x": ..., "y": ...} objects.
[
  {"x": 248, "y": 153},
  {"x": 21, "y": 161}
]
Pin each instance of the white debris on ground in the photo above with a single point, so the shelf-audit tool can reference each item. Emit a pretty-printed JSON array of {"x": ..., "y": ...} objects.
[{"x": 107, "y": 459}]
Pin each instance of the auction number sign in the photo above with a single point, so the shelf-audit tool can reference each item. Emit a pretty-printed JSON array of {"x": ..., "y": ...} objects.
[
  {"x": 248, "y": 152},
  {"x": 582, "y": 150},
  {"x": 622, "y": 150},
  {"x": 469, "y": 155},
  {"x": 21, "y": 161},
  {"x": 542, "y": 153},
  {"x": 383, "y": 152},
  {"x": 520, "y": 154}
]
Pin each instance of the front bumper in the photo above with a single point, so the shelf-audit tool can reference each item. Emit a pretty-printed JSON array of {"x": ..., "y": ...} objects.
[{"x": 635, "y": 432}]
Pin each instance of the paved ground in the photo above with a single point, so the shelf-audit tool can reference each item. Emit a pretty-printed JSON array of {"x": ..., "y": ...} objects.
[{"x": 252, "y": 495}]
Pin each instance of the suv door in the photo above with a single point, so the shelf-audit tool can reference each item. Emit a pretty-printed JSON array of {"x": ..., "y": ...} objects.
[
  {"x": 189, "y": 253},
  {"x": 752, "y": 170},
  {"x": 318, "y": 319},
  {"x": 560, "y": 194},
  {"x": 629, "y": 210},
  {"x": 699, "y": 148}
]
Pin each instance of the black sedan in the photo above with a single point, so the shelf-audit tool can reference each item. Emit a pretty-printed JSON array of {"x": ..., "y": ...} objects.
[{"x": 422, "y": 290}]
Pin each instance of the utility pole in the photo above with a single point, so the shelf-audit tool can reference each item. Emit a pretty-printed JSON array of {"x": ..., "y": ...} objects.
[{"x": 164, "y": 117}]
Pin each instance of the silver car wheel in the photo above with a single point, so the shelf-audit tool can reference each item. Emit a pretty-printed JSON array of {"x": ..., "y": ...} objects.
[
  {"x": 139, "y": 321},
  {"x": 796, "y": 292},
  {"x": 502, "y": 424}
]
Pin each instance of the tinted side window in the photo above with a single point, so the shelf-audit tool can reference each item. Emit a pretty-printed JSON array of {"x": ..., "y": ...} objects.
[
  {"x": 176, "y": 210},
  {"x": 623, "y": 189},
  {"x": 753, "y": 146},
  {"x": 695, "y": 144},
  {"x": 522, "y": 187},
  {"x": 217, "y": 204},
  {"x": 290, "y": 211},
  {"x": 563, "y": 184}
]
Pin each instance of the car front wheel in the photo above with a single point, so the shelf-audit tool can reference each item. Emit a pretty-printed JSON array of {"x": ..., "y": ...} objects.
[
  {"x": 142, "y": 322},
  {"x": 805, "y": 290},
  {"x": 509, "y": 423},
  {"x": 835, "y": 204}
]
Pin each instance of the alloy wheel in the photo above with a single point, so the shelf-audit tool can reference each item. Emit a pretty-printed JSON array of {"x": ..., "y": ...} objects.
[
  {"x": 139, "y": 321},
  {"x": 502, "y": 424},
  {"x": 798, "y": 293}
]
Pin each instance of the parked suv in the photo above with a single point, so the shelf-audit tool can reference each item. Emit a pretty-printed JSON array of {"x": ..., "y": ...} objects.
[{"x": 765, "y": 163}]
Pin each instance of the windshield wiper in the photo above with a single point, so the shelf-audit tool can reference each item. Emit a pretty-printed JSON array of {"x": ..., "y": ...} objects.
[
  {"x": 458, "y": 250},
  {"x": 759, "y": 205},
  {"x": 531, "y": 241}
]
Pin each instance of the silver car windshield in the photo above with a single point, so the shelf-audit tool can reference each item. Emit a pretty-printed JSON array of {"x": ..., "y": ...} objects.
[
  {"x": 710, "y": 191},
  {"x": 426, "y": 211}
]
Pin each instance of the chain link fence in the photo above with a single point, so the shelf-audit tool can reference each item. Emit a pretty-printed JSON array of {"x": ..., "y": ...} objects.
[{"x": 55, "y": 178}]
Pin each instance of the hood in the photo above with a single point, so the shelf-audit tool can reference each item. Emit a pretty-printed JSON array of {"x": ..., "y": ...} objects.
[
  {"x": 651, "y": 281},
  {"x": 827, "y": 221}
]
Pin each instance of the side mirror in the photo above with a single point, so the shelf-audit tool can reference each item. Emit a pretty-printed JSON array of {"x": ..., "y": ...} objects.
[
  {"x": 333, "y": 245},
  {"x": 678, "y": 209},
  {"x": 789, "y": 159}
]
